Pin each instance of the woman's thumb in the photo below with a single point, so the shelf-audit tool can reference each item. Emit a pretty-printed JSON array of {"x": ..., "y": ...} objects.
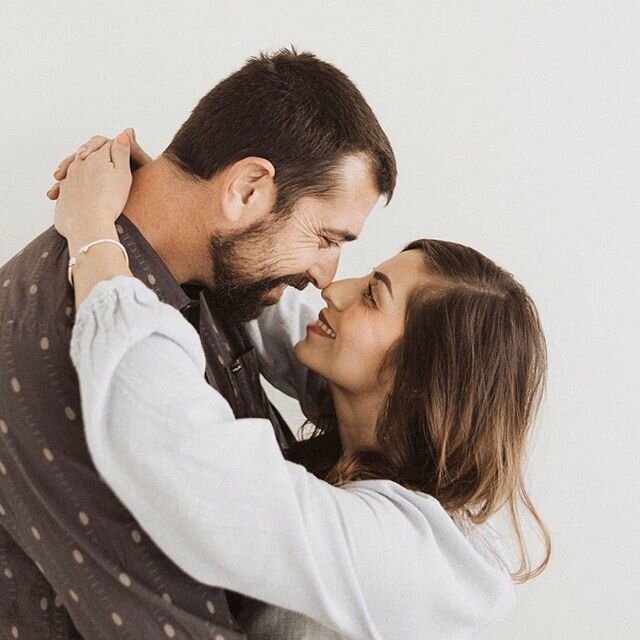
[{"x": 120, "y": 150}]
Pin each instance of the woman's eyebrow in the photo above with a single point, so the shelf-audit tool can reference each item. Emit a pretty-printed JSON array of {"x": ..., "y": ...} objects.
[{"x": 378, "y": 275}]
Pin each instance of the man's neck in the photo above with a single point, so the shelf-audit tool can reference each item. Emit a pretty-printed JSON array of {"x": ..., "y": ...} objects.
[{"x": 167, "y": 209}]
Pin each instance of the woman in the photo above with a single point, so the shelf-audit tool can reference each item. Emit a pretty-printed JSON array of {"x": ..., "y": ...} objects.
[{"x": 434, "y": 365}]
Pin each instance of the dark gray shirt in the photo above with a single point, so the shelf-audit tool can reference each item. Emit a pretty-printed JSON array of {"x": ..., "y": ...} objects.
[{"x": 73, "y": 562}]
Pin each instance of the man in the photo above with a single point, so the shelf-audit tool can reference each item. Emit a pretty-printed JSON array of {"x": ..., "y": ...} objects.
[{"x": 274, "y": 170}]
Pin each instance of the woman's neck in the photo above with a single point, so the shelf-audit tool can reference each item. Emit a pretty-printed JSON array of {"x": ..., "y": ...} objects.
[{"x": 357, "y": 416}]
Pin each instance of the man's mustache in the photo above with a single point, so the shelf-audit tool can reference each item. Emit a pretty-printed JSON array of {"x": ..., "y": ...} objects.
[{"x": 299, "y": 281}]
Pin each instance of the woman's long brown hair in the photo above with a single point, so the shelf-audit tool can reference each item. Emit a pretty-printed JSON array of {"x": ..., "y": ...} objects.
[{"x": 468, "y": 376}]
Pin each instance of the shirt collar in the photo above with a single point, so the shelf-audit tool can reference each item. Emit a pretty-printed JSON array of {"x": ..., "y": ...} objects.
[{"x": 146, "y": 265}]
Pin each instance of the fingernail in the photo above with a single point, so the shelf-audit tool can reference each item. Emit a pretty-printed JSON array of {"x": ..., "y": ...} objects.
[{"x": 123, "y": 138}]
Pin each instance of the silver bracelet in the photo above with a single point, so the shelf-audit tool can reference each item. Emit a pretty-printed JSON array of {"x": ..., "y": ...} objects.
[{"x": 86, "y": 247}]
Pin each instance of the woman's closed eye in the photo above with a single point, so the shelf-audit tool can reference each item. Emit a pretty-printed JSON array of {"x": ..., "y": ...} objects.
[{"x": 368, "y": 295}]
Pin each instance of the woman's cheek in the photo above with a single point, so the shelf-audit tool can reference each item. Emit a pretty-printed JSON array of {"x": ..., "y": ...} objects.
[{"x": 359, "y": 358}]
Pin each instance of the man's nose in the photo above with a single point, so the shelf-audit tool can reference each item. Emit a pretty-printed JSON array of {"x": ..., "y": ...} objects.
[{"x": 323, "y": 273}]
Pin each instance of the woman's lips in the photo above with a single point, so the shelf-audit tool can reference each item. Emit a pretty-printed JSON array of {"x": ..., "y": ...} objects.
[{"x": 321, "y": 327}]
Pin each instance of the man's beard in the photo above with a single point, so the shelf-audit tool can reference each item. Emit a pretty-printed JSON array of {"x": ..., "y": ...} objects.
[{"x": 241, "y": 287}]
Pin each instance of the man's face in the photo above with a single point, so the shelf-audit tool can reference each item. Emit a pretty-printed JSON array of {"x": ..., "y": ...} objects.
[{"x": 252, "y": 267}]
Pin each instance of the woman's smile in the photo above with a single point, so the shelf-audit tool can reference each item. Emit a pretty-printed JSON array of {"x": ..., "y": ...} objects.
[{"x": 322, "y": 327}]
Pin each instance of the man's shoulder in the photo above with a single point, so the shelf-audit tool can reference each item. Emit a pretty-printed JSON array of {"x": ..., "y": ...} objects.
[{"x": 33, "y": 284}]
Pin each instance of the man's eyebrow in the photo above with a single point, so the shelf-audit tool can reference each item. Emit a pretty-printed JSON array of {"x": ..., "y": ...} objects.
[
  {"x": 340, "y": 234},
  {"x": 378, "y": 275}
]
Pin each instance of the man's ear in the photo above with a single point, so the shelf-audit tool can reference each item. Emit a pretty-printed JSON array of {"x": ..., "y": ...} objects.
[{"x": 248, "y": 190}]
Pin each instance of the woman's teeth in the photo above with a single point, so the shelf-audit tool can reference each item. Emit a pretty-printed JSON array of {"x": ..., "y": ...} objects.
[{"x": 328, "y": 330}]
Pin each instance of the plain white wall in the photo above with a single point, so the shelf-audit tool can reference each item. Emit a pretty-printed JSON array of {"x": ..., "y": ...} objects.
[{"x": 516, "y": 128}]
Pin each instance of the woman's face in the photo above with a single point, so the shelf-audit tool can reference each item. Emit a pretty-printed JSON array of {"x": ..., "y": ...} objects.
[{"x": 363, "y": 318}]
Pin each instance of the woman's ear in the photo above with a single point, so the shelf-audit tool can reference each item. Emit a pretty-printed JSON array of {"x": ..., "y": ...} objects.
[{"x": 248, "y": 190}]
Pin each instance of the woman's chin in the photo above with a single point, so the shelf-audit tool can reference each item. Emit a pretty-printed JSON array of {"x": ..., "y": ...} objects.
[{"x": 305, "y": 354}]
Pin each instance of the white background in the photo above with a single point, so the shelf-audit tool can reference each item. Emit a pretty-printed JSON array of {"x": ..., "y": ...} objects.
[{"x": 516, "y": 128}]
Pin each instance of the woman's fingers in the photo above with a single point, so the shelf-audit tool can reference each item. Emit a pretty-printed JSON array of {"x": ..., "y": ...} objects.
[
  {"x": 138, "y": 156},
  {"x": 61, "y": 172},
  {"x": 135, "y": 155},
  {"x": 120, "y": 148},
  {"x": 54, "y": 191},
  {"x": 92, "y": 145}
]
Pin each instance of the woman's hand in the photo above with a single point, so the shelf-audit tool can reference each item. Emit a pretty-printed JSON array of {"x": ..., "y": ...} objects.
[
  {"x": 139, "y": 158},
  {"x": 94, "y": 192}
]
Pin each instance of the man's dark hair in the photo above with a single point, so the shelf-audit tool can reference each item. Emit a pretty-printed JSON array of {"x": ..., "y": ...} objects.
[{"x": 298, "y": 112}]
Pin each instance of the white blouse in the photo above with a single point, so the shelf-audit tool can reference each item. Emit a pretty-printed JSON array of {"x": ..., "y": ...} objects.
[{"x": 369, "y": 560}]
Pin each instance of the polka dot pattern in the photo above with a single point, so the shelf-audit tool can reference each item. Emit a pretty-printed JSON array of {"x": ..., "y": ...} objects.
[
  {"x": 124, "y": 579},
  {"x": 56, "y": 441}
]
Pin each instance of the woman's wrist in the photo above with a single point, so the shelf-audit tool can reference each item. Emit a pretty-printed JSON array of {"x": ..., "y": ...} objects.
[
  {"x": 89, "y": 233},
  {"x": 102, "y": 261}
]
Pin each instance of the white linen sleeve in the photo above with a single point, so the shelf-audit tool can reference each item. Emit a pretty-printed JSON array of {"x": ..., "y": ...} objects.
[
  {"x": 274, "y": 335},
  {"x": 217, "y": 496}
]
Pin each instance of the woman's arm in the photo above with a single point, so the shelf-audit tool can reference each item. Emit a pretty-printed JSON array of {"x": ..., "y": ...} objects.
[
  {"x": 372, "y": 560},
  {"x": 92, "y": 196},
  {"x": 213, "y": 492}
]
